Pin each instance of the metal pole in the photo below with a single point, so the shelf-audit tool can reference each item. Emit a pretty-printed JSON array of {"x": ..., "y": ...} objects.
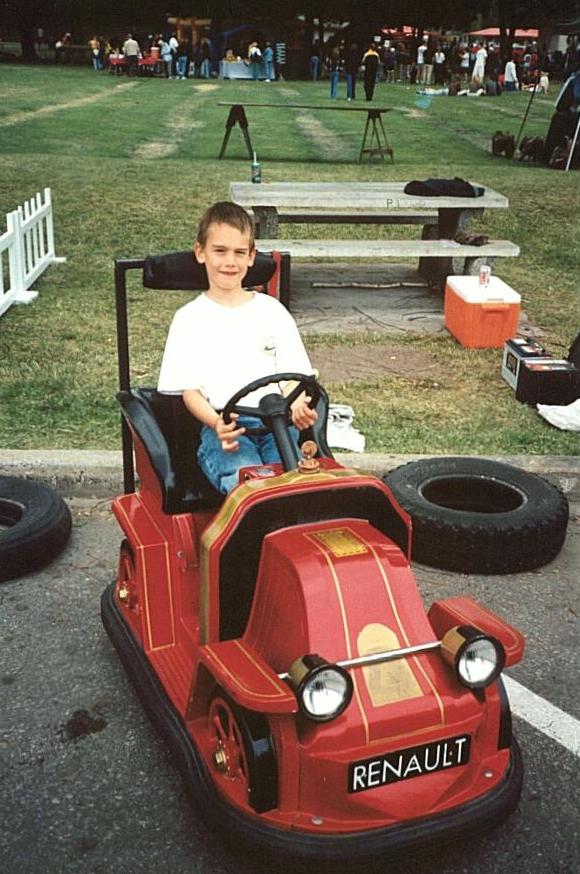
[
  {"x": 530, "y": 101},
  {"x": 573, "y": 146},
  {"x": 121, "y": 267},
  {"x": 389, "y": 655},
  {"x": 378, "y": 658}
]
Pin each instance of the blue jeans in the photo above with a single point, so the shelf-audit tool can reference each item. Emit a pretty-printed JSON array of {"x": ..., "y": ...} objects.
[
  {"x": 350, "y": 85},
  {"x": 269, "y": 70},
  {"x": 182, "y": 64},
  {"x": 222, "y": 468},
  {"x": 334, "y": 77},
  {"x": 314, "y": 68}
]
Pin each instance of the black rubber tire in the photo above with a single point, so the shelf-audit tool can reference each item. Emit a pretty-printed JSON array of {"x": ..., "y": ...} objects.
[
  {"x": 38, "y": 526},
  {"x": 262, "y": 776},
  {"x": 478, "y": 516}
]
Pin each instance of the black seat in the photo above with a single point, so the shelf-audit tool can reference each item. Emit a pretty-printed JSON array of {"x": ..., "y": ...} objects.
[{"x": 170, "y": 436}]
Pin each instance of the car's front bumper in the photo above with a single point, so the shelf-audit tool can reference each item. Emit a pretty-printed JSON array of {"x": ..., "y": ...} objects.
[{"x": 479, "y": 814}]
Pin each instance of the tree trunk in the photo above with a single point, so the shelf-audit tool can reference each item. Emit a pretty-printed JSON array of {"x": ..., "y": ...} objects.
[{"x": 27, "y": 41}]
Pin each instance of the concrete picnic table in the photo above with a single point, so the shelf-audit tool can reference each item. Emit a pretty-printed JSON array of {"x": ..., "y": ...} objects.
[
  {"x": 270, "y": 201},
  {"x": 374, "y": 141},
  {"x": 439, "y": 253}
]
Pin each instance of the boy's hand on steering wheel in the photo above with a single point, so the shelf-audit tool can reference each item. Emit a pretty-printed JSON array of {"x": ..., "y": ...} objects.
[
  {"x": 303, "y": 416},
  {"x": 228, "y": 434}
]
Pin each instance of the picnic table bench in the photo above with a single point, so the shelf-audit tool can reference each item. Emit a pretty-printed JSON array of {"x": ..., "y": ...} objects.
[
  {"x": 374, "y": 142},
  {"x": 375, "y": 203},
  {"x": 266, "y": 222}
]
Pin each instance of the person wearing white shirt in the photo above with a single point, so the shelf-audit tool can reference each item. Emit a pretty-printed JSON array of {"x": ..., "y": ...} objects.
[
  {"x": 439, "y": 66},
  {"x": 225, "y": 339},
  {"x": 479, "y": 66},
  {"x": 510, "y": 80},
  {"x": 174, "y": 47},
  {"x": 421, "y": 63}
]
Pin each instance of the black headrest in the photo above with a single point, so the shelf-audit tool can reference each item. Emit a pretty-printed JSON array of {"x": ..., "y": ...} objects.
[{"x": 181, "y": 271}]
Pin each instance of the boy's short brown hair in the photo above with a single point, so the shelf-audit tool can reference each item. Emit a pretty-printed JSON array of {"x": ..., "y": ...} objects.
[{"x": 224, "y": 212}]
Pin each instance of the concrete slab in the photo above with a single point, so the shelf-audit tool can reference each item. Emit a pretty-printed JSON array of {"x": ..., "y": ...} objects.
[
  {"x": 321, "y": 302},
  {"x": 89, "y": 474},
  {"x": 339, "y": 298}
]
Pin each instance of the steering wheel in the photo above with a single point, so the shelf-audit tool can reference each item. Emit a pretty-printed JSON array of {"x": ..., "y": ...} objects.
[{"x": 271, "y": 406}]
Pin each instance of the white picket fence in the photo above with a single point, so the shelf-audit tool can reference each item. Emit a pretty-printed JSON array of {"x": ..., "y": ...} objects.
[{"x": 26, "y": 249}]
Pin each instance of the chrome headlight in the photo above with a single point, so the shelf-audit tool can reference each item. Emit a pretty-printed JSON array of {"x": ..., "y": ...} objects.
[
  {"x": 323, "y": 690},
  {"x": 478, "y": 658}
]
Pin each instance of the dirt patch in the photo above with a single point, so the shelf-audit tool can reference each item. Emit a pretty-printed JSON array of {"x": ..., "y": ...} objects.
[
  {"x": 19, "y": 117},
  {"x": 177, "y": 128},
  {"x": 209, "y": 86},
  {"x": 330, "y": 143},
  {"x": 367, "y": 360},
  {"x": 288, "y": 92},
  {"x": 482, "y": 141},
  {"x": 152, "y": 151},
  {"x": 411, "y": 113},
  {"x": 181, "y": 125}
]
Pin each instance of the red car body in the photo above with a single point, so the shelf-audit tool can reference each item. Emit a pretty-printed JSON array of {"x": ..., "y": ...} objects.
[
  {"x": 338, "y": 587},
  {"x": 217, "y": 602}
]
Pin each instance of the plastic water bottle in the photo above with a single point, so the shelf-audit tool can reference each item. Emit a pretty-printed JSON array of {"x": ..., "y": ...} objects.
[{"x": 256, "y": 170}]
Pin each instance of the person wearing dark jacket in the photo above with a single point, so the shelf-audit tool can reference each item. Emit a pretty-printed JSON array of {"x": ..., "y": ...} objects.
[
  {"x": 371, "y": 64},
  {"x": 352, "y": 64}
]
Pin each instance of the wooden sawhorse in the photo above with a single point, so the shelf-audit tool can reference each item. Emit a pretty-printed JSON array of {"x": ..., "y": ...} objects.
[
  {"x": 374, "y": 118},
  {"x": 237, "y": 115}
]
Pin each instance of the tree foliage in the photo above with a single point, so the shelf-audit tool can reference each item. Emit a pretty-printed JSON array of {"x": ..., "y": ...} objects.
[{"x": 111, "y": 16}]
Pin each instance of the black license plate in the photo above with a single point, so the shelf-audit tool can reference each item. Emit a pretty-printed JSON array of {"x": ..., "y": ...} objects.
[{"x": 412, "y": 762}]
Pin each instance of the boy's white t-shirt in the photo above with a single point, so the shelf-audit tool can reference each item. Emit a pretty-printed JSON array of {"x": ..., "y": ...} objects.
[{"x": 218, "y": 349}]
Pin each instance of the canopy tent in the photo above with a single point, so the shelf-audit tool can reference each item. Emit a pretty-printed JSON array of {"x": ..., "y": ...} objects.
[
  {"x": 405, "y": 30},
  {"x": 490, "y": 32}
]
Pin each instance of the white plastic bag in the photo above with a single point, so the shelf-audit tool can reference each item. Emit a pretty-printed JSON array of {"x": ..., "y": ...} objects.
[
  {"x": 340, "y": 432},
  {"x": 566, "y": 418}
]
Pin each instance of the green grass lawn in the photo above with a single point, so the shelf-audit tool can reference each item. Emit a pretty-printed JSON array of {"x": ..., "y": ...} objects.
[{"x": 133, "y": 164}]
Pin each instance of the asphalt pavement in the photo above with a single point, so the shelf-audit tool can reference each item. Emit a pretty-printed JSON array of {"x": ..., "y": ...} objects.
[{"x": 86, "y": 786}]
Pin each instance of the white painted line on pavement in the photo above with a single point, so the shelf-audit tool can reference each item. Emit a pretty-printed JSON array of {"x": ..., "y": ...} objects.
[{"x": 540, "y": 714}]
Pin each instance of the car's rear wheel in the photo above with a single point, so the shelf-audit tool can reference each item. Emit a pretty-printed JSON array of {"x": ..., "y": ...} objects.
[
  {"x": 243, "y": 754},
  {"x": 475, "y": 515}
]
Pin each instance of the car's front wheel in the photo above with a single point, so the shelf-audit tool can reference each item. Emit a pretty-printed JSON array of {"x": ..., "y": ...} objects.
[{"x": 243, "y": 753}]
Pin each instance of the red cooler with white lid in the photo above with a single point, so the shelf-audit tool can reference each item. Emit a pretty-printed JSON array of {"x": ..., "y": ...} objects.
[{"x": 481, "y": 316}]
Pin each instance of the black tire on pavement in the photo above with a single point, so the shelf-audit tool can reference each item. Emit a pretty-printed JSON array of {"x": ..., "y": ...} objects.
[
  {"x": 478, "y": 516},
  {"x": 35, "y": 526}
]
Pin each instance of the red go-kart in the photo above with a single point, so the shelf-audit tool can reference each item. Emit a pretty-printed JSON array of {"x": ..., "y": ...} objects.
[{"x": 279, "y": 641}]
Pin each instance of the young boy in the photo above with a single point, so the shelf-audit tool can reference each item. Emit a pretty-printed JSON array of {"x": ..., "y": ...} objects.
[{"x": 225, "y": 339}]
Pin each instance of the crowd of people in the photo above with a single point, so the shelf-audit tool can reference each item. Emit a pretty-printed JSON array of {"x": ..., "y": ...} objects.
[
  {"x": 176, "y": 59},
  {"x": 426, "y": 61},
  {"x": 451, "y": 67},
  {"x": 179, "y": 59}
]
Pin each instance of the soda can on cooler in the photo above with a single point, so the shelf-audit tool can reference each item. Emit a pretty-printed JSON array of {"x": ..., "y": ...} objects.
[{"x": 484, "y": 274}]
